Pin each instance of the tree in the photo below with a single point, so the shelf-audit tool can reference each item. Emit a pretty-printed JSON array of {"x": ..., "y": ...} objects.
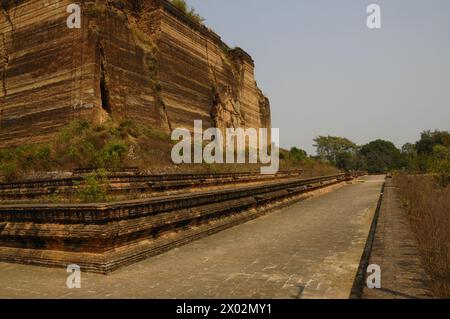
[
  {"x": 381, "y": 156},
  {"x": 409, "y": 149},
  {"x": 441, "y": 152},
  {"x": 298, "y": 154},
  {"x": 429, "y": 140},
  {"x": 409, "y": 157},
  {"x": 430, "y": 153},
  {"x": 344, "y": 160},
  {"x": 339, "y": 151}
]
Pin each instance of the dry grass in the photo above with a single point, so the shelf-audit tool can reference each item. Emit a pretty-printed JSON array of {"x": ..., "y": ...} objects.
[{"x": 428, "y": 205}]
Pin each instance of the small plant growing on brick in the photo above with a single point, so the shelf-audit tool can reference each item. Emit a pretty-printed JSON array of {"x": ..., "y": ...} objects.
[{"x": 95, "y": 188}]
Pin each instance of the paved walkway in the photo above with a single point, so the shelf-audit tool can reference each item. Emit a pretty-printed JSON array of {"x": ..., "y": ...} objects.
[
  {"x": 395, "y": 251},
  {"x": 311, "y": 249}
]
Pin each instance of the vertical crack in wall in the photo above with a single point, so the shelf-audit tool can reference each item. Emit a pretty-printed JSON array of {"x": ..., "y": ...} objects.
[
  {"x": 214, "y": 112},
  {"x": 226, "y": 97},
  {"x": 139, "y": 22},
  {"x": 5, "y": 62},
  {"x": 104, "y": 88},
  {"x": 151, "y": 62},
  {"x": 211, "y": 68},
  {"x": 153, "y": 67}
]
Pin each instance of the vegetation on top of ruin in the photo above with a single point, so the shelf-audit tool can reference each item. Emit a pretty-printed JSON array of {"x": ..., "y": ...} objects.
[
  {"x": 84, "y": 144},
  {"x": 189, "y": 11},
  {"x": 122, "y": 143}
]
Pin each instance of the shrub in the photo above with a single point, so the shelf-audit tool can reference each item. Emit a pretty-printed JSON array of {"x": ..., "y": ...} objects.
[
  {"x": 10, "y": 171},
  {"x": 190, "y": 12},
  {"x": 85, "y": 144},
  {"x": 113, "y": 153},
  {"x": 298, "y": 154},
  {"x": 95, "y": 188},
  {"x": 155, "y": 134}
]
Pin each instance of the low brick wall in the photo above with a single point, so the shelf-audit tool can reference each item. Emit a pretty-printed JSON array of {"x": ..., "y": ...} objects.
[
  {"x": 103, "y": 237},
  {"x": 126, "y": 183}
]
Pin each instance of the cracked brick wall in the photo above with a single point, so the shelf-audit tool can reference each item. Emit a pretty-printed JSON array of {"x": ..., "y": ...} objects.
[
  {"x": 47, "y": 70},
  {"x": 148, "y": 62}
]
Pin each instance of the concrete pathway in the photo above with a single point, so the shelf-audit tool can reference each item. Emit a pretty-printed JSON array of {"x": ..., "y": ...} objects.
[
  {"x": 311, "y": 249},
  {"x": 395, "y": 251}
]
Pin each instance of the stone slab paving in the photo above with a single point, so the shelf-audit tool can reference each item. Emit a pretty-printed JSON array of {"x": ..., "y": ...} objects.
[
  {"x": 311, "y": 249},
  {"x": 395, "y": 251}
]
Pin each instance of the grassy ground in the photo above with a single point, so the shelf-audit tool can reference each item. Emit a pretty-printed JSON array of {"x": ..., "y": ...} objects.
[{"x": 428, "y": 205}]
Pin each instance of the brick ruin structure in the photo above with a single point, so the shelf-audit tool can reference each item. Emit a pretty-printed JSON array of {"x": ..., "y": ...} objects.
[{"x": 144, "y": 60}]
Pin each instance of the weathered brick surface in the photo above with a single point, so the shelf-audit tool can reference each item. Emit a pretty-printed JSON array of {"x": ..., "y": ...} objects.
[
  {"x": 51, "y": 75},
  {"x": 119, "y": 184},
  {"x": 46, "y": 70},
  {"x": 395, "y": 251},
  {"x": 308, "y": 250},
  {"x": 103, "y": 237}
]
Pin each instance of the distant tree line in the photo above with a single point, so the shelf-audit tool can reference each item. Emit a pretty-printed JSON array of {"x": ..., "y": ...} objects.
[{"x": 431, "y": 154}]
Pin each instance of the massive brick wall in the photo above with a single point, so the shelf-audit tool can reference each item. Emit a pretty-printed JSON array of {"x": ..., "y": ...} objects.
[
  {"x": 202, "y": 78},
  {"x": 143, "y": 60},
  {"x": 46, "y": 70}
]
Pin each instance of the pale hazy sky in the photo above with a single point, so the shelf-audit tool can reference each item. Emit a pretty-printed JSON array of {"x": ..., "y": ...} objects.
[{"x": 326, "y": 73}]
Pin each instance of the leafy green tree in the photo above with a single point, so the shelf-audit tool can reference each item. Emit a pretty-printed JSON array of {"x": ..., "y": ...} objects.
[
  {"x": 409, "y": 149},
  {"x": 298, "y": 154},
  {"x": 430, "y": 139},
  {"x": 409, "y": 157},
  {"x": 330, "y": 146},
  {"x": 430, "y": 154},
  {"x": 339, "y": 151},
  {"x": 346, "y": 161},
  {"x": 381, "y": 156}
]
